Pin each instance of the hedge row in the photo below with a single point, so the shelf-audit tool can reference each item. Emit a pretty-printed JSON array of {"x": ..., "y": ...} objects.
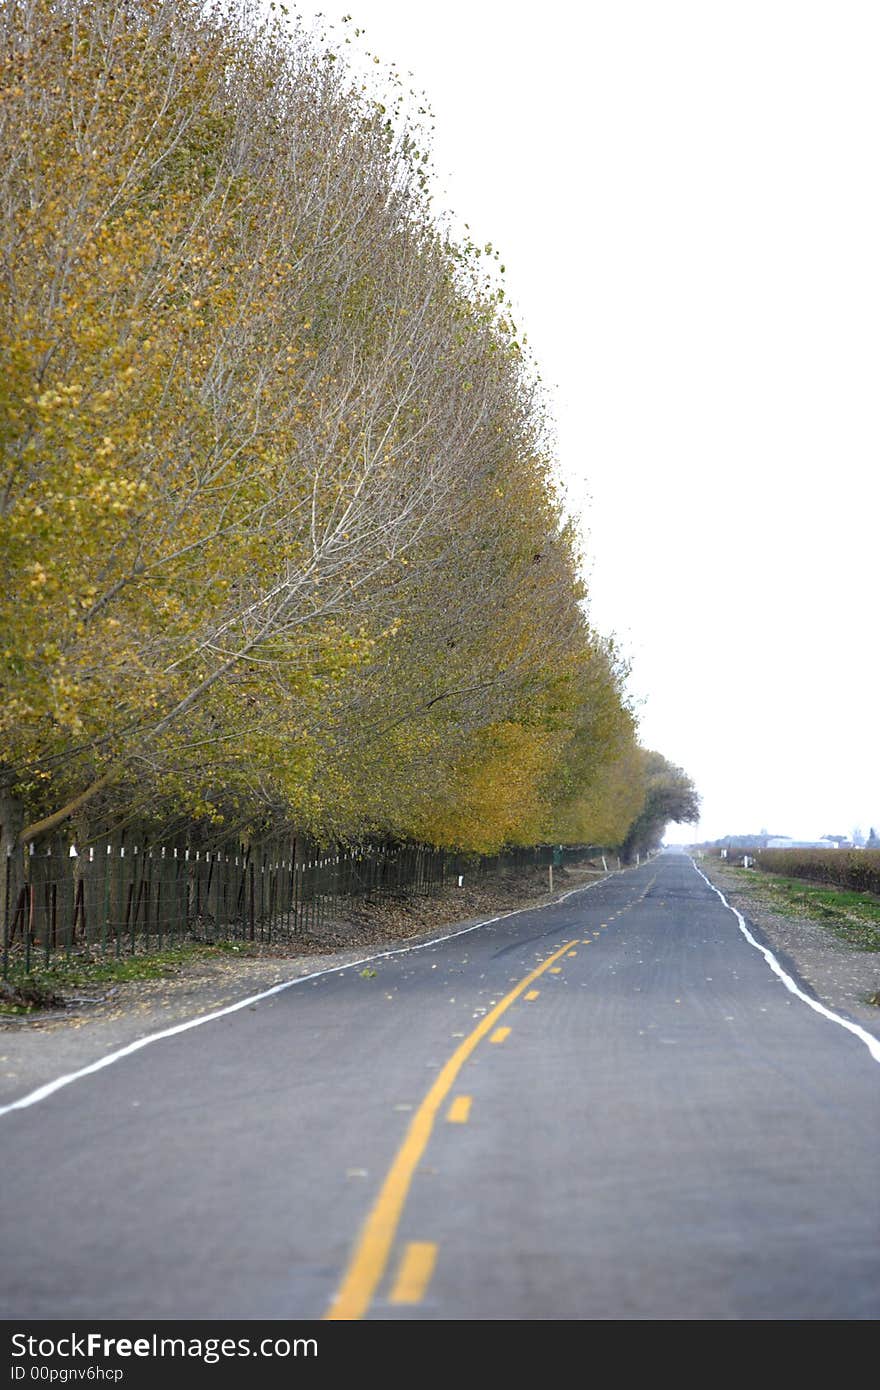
[{"x": 858, "y": 870}]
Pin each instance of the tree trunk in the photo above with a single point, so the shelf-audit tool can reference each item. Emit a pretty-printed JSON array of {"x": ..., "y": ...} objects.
[
  {"x": 42, "y": 827},
  {"x": 11, "y": 856}
]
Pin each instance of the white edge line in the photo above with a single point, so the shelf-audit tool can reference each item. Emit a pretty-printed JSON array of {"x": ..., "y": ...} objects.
[
  {"x": 872, "y": 1043},
  {"x": 43, "y": 1092}
]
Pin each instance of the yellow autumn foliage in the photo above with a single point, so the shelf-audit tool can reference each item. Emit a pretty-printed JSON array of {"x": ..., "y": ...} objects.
[{"x": 280, "y": 540}]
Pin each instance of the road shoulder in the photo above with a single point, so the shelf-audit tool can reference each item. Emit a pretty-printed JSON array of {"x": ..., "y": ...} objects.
[{"x": 839, "y": 975}]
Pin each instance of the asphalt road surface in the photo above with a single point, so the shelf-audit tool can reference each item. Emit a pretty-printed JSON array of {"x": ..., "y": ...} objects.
[{"x": 610, "y": 1108}]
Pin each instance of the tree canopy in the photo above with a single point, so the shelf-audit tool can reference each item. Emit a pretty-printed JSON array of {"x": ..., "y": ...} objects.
[
  {"x": 281, "y": 540},
  {"x": 669, "y": 795}
]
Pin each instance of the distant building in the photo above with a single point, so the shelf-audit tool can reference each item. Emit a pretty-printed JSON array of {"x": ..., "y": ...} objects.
[{"x": 783, "y": 842}]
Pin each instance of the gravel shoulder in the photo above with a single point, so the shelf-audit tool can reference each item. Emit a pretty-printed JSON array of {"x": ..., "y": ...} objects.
[
  {"x": 837, "y": 974},
  {"x": 36, "y": 1048}
]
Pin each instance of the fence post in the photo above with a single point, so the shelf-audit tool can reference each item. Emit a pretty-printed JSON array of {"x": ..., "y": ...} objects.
[
  {"x": 7, "y": 892},
  {"x": 251, "y": 922}
]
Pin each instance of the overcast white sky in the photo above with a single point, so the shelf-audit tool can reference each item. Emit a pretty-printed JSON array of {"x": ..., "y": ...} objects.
[{"x": 685, "y": 194}]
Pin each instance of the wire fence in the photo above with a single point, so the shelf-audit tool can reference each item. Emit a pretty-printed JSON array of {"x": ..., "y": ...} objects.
[{"x": 127, "y": 897}]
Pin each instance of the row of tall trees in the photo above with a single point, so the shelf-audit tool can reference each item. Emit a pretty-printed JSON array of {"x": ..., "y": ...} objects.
[{"x": 280, "y": 538}]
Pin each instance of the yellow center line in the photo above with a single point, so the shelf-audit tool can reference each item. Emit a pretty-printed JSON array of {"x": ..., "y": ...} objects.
[
  {"x": 500, "y": 1034},
  {"x": 415, "y": 1272},
  {"x": 460, "y": 1109},
  {"x": 370, "y": 1257}
]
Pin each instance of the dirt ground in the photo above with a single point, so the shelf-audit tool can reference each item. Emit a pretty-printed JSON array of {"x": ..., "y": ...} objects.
[{"x": 841, "y": 976}]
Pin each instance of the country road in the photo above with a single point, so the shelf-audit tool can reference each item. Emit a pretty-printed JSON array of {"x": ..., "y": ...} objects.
[{"x": 609, "y": 1108}]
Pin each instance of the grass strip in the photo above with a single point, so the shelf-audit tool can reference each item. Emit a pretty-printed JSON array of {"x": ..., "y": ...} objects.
[
  {"x": 852, "y": 917},
  {"x": 45, "y": 986}
]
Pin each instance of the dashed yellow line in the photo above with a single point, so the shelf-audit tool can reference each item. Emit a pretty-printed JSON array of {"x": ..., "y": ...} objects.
[
  {"x": 460, "y": 1109},
  {"x": 414, "y": 1274},
  {"x": 532, "y": 994},
  {"x": 499, "y": 1035},
  {"x": 557, "y": 970},
  {"x": 571, "y": 953},
  {"x": 370, "y": 1257}
]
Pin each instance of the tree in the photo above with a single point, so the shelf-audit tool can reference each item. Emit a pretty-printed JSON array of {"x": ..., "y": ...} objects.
[
  {"x": 279, "y": 530},
  {"x": 669, "y": 796},
  {"x": 246, "y": 385}
]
